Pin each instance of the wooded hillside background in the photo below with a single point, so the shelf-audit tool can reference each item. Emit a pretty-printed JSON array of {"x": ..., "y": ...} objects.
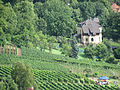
[{"x": 21, "y": 21}]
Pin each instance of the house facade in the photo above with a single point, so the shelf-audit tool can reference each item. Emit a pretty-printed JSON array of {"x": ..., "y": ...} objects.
[{"x": 89, "y": 31}]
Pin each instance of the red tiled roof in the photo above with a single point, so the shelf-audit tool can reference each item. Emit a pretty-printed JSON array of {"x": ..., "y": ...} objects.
[
  {"x": 119, "y": 10},
  {"x": 115, "y": 7}
]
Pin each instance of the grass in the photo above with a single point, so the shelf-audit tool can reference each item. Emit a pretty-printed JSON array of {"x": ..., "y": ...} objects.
[
  {"x": 115, "y": 44},
  {"x": 54, "y": 51},
  {"x": 81, "y": 55}
]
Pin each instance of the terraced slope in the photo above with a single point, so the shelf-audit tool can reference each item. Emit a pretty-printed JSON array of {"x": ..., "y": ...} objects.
[{"x": 52, "y": 80}]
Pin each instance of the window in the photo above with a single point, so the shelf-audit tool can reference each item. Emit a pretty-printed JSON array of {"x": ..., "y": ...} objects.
[
  {"x": 92, "y": 39},
  {"x": 86, "y": 39}
]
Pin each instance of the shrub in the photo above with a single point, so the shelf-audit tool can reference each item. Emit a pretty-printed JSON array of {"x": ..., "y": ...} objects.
[
  {"x": 76, "y": 80},
  {"x": 87, "y": 80},
  {"x": 96, "y": 74},
  {"x": 7, "y": 83},
  {"x": 59, "y": 79},
  {"x": 92, "y": 82},
  {"x": 65, "y": 80},
  {"x": 111, "y": 59},
  {"x": 82, "y": 81}
]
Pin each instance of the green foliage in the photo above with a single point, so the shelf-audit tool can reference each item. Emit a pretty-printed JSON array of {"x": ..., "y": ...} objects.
[
  {"x": 88, "y": 9},
  {"x": 108, "y": 45},
  {"x": 66, "y": 49},
  {"x": 111, "y": 59},
  {"x": 41, "y": 40},
  {"x": 112, "y": 29},
  {"x": 7, "y": 83},
  {"x": 22, "y": 76},
  {"x": 51, "y": 40},
  {"x": 77, "y": 16},
  {"x": 87, "y": 72},
  {"x": 86, "y": 80},
  {"x": 117, "y": 53},
  {"x": 21, "y": 20},
  {"x": 8, "y": 22},
  {"x": 62, "y": 40},
  {"x": 30, "y": 45},
  {"x": 2, "y": 85},
  {"x": 74, "y": 51},
  {"x": 96, "y": 74},
  {"x": 58, "y": 18},
  {"x": 101, "y": 51},
  {"x": 26, "y": 20},
  {"x": 89, "y": 52},
  {"x": 82, "y": 81}
]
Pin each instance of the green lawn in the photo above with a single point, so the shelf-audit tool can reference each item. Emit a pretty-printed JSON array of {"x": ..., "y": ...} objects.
[
  {"x": 54, "y": 51},
  {"x": 58, "y": 52}
]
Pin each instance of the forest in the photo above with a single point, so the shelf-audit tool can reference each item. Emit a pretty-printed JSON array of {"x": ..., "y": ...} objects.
[
  {"x": 21, "y": 21},
  {"x": 51, "y": 58}
]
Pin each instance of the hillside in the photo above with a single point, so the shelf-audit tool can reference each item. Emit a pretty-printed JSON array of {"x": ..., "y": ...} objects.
[
  {"x": 57, "y": 71},
  {"x": 59, "y": 44}
]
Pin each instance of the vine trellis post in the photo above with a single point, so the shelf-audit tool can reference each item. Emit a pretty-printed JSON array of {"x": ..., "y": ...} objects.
[{"x": 10, "y": 49}]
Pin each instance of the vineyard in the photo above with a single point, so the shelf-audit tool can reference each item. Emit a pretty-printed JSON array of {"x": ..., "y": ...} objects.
[
  {"x": 47, "y": 61},
  {"x": 37, "y": 55},
  {"x": 52, "y": 80},
  {"x": 57, "y": 72}
]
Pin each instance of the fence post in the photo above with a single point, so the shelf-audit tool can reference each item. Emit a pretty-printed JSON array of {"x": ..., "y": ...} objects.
[
  {"x": 1, "y": 48},
  {"x": 7, "y": 49},
  {"x": 14, "y": 49},
  {"x": 19, "y": 53},
  {"x": 11, "y": 50}
]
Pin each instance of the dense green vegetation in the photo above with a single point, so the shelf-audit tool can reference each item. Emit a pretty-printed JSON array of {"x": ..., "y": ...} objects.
[
  {"x": 56, "y": 71},
  {"x": 22, "y": 20},
  {"x": 107, "y": 51},
  {"x": 56, "y": 80},
  {"x": 47, "y": 61},
  {"x": 37, "y": 26}
]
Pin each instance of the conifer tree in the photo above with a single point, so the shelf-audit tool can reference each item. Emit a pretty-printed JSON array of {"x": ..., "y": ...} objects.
[{"x": 74, "y": 46}]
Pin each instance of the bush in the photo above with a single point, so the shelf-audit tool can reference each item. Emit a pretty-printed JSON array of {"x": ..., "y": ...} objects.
[
  {"x": 86, "y": 80},
  {"x": 76, "y": 80},
  {"x": 115, "y": 77},
  {"x": 30, "y": 45},
  {"x": 92, "y": 82},
  {"x": 96, "y": 74},
  {"x": 65, "y": 80},
  {"x": 59, "y": 79},
  {"x": 111, "y": 59},
  {"x": 2, "y": 86},
  {"x": 117, "y": 53},
  {"x": 82, "y": 81},
  {"x": 7, "y": 83}
]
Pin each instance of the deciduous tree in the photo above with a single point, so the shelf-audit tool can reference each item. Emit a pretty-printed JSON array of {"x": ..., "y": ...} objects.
[{"x": 23, "y": 76}]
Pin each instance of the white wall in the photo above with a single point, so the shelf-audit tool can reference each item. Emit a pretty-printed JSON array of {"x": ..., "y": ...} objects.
[{"x": 96, "y": 39}]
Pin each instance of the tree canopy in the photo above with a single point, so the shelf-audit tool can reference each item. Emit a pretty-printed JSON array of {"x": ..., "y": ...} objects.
[{"x": 22, "y": 20}]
